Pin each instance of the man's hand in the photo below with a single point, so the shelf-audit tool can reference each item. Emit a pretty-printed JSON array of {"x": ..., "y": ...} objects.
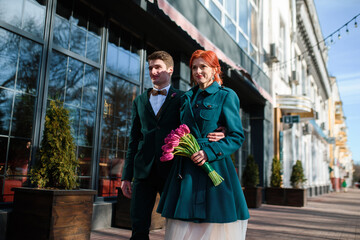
[
  {"x": 126, "y": 188},
  {"x": 218, "y": 135},
  {"x": 199, "y": 158}
]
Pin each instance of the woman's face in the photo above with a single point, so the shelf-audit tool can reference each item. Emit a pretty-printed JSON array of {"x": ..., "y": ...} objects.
[{"x": 202, "y": 73}]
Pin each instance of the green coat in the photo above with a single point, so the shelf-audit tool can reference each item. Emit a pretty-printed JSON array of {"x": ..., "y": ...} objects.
[
  {"x": 148, "y": 133},
  {"x": 189, "y": 193}
]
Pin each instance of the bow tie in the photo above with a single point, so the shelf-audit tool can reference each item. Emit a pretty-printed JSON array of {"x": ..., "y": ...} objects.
[{"x": 155, "y": 92}]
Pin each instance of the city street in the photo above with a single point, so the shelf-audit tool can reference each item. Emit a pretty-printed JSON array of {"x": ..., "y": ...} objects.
[{"x": 330, "y": 216}]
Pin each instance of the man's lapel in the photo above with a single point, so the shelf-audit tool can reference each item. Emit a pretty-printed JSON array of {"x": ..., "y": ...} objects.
[
  {"x": 168, "y": 99},
  {"x": 145, "y": 100}
]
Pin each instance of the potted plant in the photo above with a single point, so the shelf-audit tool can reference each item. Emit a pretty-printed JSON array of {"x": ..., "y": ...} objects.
[
  {"x": 275, "y": 194},
  {"x": 297, "y": 195},
  {"x": 56, "y": 208},
  {"x": 253, "y": 194}
]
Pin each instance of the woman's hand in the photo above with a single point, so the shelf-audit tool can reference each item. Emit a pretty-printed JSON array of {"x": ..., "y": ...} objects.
[
  {"x": 199, "y": 158},
  {"x": 217, "y": 135}
]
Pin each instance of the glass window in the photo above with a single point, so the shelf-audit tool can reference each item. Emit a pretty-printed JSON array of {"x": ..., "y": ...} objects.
[
  {"x": 78, "y": 29},
  {"x": 90, "y": 88},
  {"x": 85, "y": 156},
  {"x": 230, "y": 27},
  {"x": 6, "y": 100},
  {"x": 57, "y": 76},
  {"x": 28, "y": 15},
  {"x": 74, "y": 82},
  {"x": 3, "y": 150},
  {"x": 22, "y": 118},
  {"x": 119, "y": 95},
  {"x": 61, "y": 31},
  {"x": 9, "y": 51},
  {"x": 19, "y": 157},
  {"x": 215, "y": 11},
  {"x": 243, "y": 15},
  {"x": 231, "y": 8},
  {"x": 6, "y": 194},
  {"x": 243, "y": 42},
  {"x": 123, "y": 55},
  {"x": 253, "y": 28},
  {"x": 29, "y": 65}
]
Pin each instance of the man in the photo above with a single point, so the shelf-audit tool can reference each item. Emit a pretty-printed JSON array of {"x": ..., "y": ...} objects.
[{"x": 154, "y": 114}]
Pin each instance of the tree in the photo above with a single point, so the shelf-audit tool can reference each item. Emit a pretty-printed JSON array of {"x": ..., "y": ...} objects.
[
  {"x": 251, "y": 173},
  {"x": 275, "y": 180},
  {"x": 58, "y": 165},
  {"x": 297, "y": 175}
]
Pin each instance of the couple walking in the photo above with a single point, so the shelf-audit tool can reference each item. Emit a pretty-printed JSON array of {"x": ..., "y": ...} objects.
[{"x": 193, "y": 206}]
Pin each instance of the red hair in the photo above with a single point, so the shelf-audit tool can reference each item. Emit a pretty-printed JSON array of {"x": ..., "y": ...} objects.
[{"x": 211, "y": 59}]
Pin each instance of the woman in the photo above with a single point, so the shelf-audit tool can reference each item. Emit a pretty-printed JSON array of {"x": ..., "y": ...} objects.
[{"x": 194, "y": 207}]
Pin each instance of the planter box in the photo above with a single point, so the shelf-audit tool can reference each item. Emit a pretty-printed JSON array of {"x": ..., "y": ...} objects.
[
  {"x": 253, "y": 196},
  {"x": 51, "y": 214},
  {"x": 296, "y": 197},
  {"x": 122, "y": 213},
  {"x": 286, "y": 196}
]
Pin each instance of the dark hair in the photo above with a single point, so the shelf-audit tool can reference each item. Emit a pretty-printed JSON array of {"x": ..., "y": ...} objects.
[
  {"x": 211, "y": 59},
  {"x": 164, "y": 56}
]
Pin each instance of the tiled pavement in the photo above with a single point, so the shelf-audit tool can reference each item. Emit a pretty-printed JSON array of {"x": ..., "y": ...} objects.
[{"x": 330, "y": 216}]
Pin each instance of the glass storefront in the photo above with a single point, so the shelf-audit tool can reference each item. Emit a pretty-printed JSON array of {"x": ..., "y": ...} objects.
[{"x": 66, "y": 50}]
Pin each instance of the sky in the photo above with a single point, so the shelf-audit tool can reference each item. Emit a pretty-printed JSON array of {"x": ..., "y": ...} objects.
[{"x": 344, "y": 61}]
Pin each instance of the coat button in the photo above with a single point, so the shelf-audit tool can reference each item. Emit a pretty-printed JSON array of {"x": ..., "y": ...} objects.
[
  {"x": 196, "y": 105},
  {"x": 219, "y": 154}
]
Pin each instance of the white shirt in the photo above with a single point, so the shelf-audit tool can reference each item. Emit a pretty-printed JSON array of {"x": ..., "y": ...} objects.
[{"x": 157, "y": 101}]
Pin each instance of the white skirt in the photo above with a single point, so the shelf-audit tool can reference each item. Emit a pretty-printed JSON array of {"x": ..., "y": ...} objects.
[{"x": 182, "y": 230}]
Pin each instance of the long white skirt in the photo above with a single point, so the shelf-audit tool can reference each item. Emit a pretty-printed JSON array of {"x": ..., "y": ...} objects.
[{"x": 182, "y": 230}]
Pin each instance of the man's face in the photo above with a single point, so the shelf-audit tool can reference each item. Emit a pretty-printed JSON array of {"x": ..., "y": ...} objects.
[{"x": 159, "y": 73}]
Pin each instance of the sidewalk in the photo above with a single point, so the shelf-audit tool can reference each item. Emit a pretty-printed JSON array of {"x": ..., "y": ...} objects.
[{"x": 330, "y": 216}]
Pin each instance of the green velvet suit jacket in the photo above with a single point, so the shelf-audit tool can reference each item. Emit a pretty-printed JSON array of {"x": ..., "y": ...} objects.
[{"x": 148, "y": 133}]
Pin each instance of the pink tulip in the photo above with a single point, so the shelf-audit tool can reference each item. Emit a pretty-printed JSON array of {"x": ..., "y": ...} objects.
[
  {"x": 185, "y": 128},
  {"x": 180, "y": 132},
  {"x": 166, "y": 157},
  {"x": 168, "y": 148},
  {"x": 171, "y": 139},
  {"x": 174, "y": 134}
]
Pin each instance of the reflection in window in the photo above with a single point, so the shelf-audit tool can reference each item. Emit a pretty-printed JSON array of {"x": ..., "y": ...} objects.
[
  {"x": 73, "y": 81},
  {"x": 6, "y": 100},
  {"x": 29, "y": 63},
  {"x": 18, "y": 157},
  {"x": 78, "y": 29},
  {"x": 118, "y": 95},
  {"x": 3, "y": 148},
  {"x": 22, "y": 118},
  {"x": 123, "y": 55},
  {"x": 9, "y": 51},
  {"x": 28, "y": 15},
  {"x": 57, "y": 76}
]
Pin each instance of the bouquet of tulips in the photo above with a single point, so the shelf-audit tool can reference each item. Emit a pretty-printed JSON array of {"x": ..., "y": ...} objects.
[{"x": 181, "y": 142}]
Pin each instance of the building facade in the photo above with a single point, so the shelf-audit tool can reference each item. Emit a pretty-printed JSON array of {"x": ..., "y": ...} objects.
[
  {"x": 302, "y": 92},
  {"x": 92, "y": 57}
]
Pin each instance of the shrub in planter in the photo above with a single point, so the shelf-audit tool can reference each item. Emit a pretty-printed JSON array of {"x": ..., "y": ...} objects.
[
  {"x": 57, "y": 209},
  {"x": 58, "y": 165},
  {"x": 297, "y": 175},
  {"x": 253, "y": 194},
  {"x": 251, "y": 173},
  {"x": 275, "y": 180}
]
